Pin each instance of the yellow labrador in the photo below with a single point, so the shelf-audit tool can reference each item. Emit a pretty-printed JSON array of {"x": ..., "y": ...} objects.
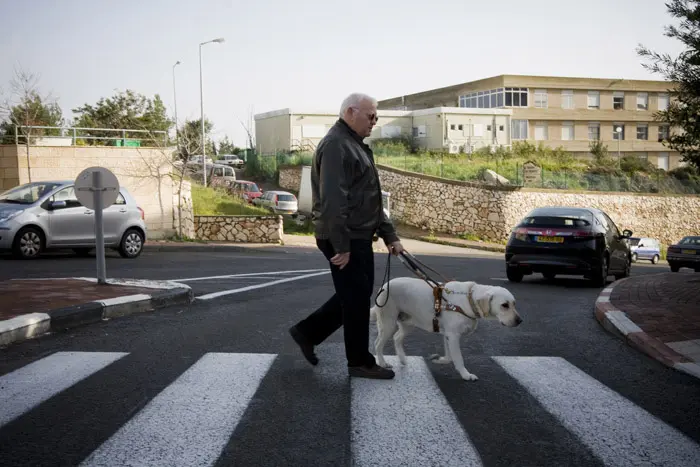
[{"x": 410, "y": 303}]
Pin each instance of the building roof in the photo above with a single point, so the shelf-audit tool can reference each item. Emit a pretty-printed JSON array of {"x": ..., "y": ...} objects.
[{"x": 391, "y": 113}]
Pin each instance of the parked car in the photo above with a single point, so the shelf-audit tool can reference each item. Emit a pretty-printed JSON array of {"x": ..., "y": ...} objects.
[
  {"x": 247, "y": 190},
  {"x": 645, "y": 248},
  {"x": 39, "y": 216},
  {"x": 279, "y": 202},
  {"x": 685, "y": 254},
  {"x": 231, "y": 160},
  {"x": 568, "y": 240}
]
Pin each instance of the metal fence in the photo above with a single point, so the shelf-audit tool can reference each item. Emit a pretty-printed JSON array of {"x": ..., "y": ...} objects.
[
  {"x": 513, "y": 174},
  {"x": 79, "y": 136}
]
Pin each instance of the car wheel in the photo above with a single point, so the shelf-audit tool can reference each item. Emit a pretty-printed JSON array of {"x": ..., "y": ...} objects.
[
  {"x": 131, "y": 245},
  {"x": 626, "y": 272},
  {"x": 601, "y": 275},
  {"x": 634, "y": 257},
  {"x": 655, "y": 259},
  {"x": 28, "y": 244},
  {"x": 674, "y": 268},
  {"x": 514, "y": 274}
]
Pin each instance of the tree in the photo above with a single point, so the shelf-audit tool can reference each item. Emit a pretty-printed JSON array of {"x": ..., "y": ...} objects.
[
  {"x": 191, "y": 138},
  {"x": 24, "y": 108},
  {"x": 227, "y": 147},
  {"x": 126, "y": 110},
  {"x": 684, "y": 72}
]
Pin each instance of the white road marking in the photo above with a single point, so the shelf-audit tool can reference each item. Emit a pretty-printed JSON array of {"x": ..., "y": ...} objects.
[
  {"x": 616, "y": 430},
  {"x": 191, "y": 420},
  {"x": 29, "y": 386},
  {"x": 252, "y": 274},
  {"x": 258, "y": 286},
  {"x": 407, "y": 419},
  {"x": 499, "y": 279}
]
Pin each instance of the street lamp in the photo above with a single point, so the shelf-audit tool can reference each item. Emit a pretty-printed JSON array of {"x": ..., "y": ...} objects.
[
  {"x": 201, "y": 101},
  {"x": 177, "y": 131}
]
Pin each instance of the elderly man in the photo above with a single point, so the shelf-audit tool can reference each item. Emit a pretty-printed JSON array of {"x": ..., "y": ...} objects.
[{"x": 347, "y": 211}]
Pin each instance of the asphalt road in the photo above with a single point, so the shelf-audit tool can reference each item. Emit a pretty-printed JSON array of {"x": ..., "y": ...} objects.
[{"x": 221, "y": 383}]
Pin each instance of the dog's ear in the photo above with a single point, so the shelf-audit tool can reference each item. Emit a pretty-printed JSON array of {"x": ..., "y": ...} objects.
[{"x": 484, "y": 304}]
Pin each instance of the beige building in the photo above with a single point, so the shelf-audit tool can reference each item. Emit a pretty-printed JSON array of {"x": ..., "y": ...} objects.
[
  {"x": 441, "y": 128},
  {"x": 566, "y": 112}
]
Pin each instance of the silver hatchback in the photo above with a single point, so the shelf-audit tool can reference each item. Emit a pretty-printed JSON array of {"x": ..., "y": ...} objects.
[{"x": 38, "y": 216}]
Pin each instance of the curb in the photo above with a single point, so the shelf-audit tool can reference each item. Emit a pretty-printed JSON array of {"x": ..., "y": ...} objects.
[
  {"x": 219, "y": 248},
  {"x": 33, "y": 325},
  {"x": 495, "y": 249},
  {"x": 618, "y": 323}
]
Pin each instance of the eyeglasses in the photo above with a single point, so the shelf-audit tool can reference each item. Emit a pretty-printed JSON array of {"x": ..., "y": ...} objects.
[{"x": 372, "y": 116}]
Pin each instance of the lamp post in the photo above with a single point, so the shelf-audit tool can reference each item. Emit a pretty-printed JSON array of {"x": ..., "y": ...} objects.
[
  {"x": 201, "y": 102},
  {"x": 177, "y": 130}
]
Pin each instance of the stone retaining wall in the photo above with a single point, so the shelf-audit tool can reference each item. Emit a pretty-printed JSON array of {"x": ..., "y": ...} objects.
[
  {"x": 490, "y": 212},
  {"x": 241, "y": 229},
  {"x": 290, "y": 177}
]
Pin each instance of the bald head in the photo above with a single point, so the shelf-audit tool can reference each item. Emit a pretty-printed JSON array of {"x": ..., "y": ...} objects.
[{"x": 359, "y": 111}]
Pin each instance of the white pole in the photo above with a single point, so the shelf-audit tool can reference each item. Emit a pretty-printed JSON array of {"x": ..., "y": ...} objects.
[{"x": 201, "y": 103}]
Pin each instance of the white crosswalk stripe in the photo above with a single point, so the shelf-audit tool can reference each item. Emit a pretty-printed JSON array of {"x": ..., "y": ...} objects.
[
  {"x": 193, "y": 419},
  {"x": 597, "y": 414},
  {"x": 37, "y": 382}
]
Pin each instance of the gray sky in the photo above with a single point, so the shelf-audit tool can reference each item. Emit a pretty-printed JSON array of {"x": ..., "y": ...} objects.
[{"x": 311, "y": 53}]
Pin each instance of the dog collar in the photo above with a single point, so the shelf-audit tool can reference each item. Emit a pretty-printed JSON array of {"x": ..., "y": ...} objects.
[{"x": 472, "y": 303}]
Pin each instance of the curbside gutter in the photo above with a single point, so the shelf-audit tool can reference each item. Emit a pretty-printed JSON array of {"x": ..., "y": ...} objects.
[
  {"x": 618, "y": 323},
  {"x": 33, "y": 325}
]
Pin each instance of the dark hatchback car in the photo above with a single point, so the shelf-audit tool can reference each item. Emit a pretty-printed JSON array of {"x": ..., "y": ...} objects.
[
  {"x": 568, "y": 240},
  {"x": 685, "y": 254}
]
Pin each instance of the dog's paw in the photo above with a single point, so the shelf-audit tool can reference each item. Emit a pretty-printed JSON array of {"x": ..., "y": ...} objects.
[
  {"x": 402, "y": 359},
  {"x": 469, "y": 377},
  {"x": 440, "y": 359},
  {"x": 384, "y": 364}
]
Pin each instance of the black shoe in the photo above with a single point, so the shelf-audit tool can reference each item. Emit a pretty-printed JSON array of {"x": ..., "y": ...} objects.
[
  {"x": 306, "y": 347},
  {"x": 373, "y": 372}
]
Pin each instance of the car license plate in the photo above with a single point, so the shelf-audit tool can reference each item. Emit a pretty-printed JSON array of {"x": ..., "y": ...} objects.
[
  {"x": 550, "y": 239},
  {"x": 688, "y": 252}
]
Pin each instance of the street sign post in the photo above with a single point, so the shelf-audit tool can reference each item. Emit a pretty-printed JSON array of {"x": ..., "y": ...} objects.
[{"x": 97, "y": 188}]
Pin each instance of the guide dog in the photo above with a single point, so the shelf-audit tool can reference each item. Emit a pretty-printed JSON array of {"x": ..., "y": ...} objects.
[{"x": 409, "y": 302}]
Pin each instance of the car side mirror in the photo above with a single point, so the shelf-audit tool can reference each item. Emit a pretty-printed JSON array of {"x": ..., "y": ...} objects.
[{"x": 58, "y": 204}]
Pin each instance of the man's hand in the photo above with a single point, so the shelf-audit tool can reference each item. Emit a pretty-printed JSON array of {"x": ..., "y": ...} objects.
[
  {"x": 341, "y": 259},
  {"x": 395, "y": 248}
]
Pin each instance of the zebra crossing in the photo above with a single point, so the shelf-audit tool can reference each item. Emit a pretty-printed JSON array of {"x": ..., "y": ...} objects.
[{"x": 200, "y": 416}]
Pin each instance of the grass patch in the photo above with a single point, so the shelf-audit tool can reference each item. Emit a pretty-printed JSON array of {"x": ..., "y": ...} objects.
[
  {"x": 208, "y": 201},
  {"x": 293, "y": 227}
]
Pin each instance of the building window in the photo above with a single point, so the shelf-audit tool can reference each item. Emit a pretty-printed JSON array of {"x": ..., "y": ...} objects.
[
  {"x": 618, "y": 100},
  {"x": 490, "y": 99},
  {"x": 519, "y": 129},
  {"x": 541, "y": 131},
  {"x": 642, "y": 131},
  {"x": 594, "y": 131},
  {"x": 567, "y": 131},
  {"x": 619, "y": 131},
  {"x": 664, "y": 132},
  {"x": 663, "y": 101},
  {"x": 460, "y": 127},
  {"x": 567, "y": 99},
  {"x": 541, "y": 98},
  {"x": 516, "y": 97},
  {"x": 662, "y": 162},
  {"x": 593, "y": 99},
  {"x": 642, "y": 101}
]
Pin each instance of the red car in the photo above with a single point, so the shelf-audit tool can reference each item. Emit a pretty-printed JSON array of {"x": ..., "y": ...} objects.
[{"x": 246, "y": 190}]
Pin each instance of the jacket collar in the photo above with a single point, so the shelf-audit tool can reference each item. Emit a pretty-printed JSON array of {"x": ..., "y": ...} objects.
[{"x": 343, "y": 124}]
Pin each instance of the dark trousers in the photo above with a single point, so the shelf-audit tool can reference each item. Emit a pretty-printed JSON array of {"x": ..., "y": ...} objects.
[{"x": 350, "y": 304}]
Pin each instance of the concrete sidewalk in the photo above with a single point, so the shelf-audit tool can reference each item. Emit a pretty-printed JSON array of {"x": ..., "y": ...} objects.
[
  {"x": 32, "y": 307},
  {"x": 659, "y": 314},
  {"x": 407, "y": 231}
]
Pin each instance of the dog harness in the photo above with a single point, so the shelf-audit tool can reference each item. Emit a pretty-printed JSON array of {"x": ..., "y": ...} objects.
[{"x": 438, "y": 291}]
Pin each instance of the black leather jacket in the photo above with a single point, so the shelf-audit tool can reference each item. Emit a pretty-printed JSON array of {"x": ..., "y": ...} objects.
[{"x": 346, "y": 192}]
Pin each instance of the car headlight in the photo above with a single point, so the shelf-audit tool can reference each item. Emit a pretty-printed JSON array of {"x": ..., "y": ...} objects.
[{"x": 7, "y": 215}]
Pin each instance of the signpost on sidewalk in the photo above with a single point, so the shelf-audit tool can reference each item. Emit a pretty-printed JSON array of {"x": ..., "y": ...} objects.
[{"x": 97, "y": 188}]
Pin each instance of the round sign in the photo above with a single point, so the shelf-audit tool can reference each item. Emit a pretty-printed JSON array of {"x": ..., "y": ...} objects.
[{"x": 85, "y": 187}]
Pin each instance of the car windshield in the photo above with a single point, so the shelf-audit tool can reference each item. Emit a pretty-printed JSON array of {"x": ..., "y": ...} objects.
[
  {"x": 690, "y": 241},
  {"x": 252, "y": 187},
  {"x": 634, "y": 241},
  {"x": 285, "y": 198},
  {"x": 28, "y": 193},
  {"x": 556, "y": 221}
]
